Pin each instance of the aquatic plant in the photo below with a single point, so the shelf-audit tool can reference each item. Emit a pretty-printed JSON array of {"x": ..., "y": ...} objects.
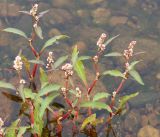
[{"x": 47, "y": 118}]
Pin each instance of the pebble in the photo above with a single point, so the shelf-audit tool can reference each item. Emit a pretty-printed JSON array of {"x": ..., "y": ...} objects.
[
  {"x": 132, "y": 3},
  {"x": 92, "y": 2},
  {"x": 57, "y": 16},
  {"x": 132, "y": 121},
  {"x": 101, "y": 15},
  {"x": 62, "y": 3},
  {"x": 148, "y": 131},
  {"x": 53, "y": 32},
  {"x": 118, "y": 20},
  {"x": 9, "y": 9}
]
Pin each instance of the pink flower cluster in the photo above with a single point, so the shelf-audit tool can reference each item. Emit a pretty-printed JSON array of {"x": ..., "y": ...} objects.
[
  {"x": 34, "y": 10},
  {"x": 79, "y": 92},
  {"x": 64, "y": 92},
  {"x": 18, "y": 63},
  {"x": 68, "y": 68},
  {"x": 100, "y": 42},
  {"x": 50, "y": 60},
  {"x": 129, "y": 52}
]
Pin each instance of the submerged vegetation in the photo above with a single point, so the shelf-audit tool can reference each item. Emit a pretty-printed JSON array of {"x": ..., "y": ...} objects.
[{"x": 50, "y": 107}]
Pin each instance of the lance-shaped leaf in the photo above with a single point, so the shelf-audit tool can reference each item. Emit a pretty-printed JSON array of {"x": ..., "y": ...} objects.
[
  {"x": 26, "y": 63},
  {"x": 110, "y": 40},
  {"x": 96, "y": 105},
  {"x": 115, "y": 73},
  {"x": 11, "y": 131},
  {"x": 40, "y": 62},
  {"x": 22, "y": 130},
  {"x": 45, "y": 103},
  {"x": 43, "y": 78},
  {"x": 16, "y": 31},
  {"x": 74, "y": 55},
  {"x": 38, "y": 31},
  {"x": 113, "y": 54},
  {"x": 79, "y": 68},
  {"x": 132, "y": 65},
  {"x": 53, "y": 40},
  {"x": 84, "y": 58},
  {"x": 20, "y": 89},
  {"x": 28, "y": 93},
  {"x": 74, "y": 92},
  {"x": 60, "y": 61},
  {"x": 6, "y": 85},
  {"x": 49, "y": 88},
  {"x": 136, "y": 76},
  {"x": 88, "y": 120},
  {"x": 25, "y": 12},
  {"x": 126, "y": 98},
  {"x": 100, "y": 95},
  {"x": 98, "y": 121},
  {"x": 38, "y": 121},
  {"x": 41, "y": 14}
]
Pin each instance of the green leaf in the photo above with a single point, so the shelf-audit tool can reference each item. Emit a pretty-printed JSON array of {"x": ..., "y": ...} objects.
[
  {"x": 75, "y": 102},
  {"x": 126, "y": 98},
  {"x": 43, "y": 78},
  {"x": 84, "y": 58},
  {"x": 98, "y": 121},
  {"x": 21, "y": 92},
  {"x": 60, "y": 61},
  {"x": 136, "y": 76},
  {"x": 38, "y": 31},
  {"x": 16, "y": 31},
  {"x": 100, "y": 95},
  {"x": 22, "y": 130},
  {"x": 26, "y": 63},
  {"x": 115, "y": 73},
  {"x": 113, "y": 54},
  {"x": 6, "y": 85},
  {"x": 11, "y": 131},
  {"x": 49, "y": 88},
  {"x": 110, "y": 40},
  {"x": 73, "y": 91},
  {"x": 79, "y": 68},
  {"x": 88, "y": 120},
  {"x": 45, "y": 103},
  {"x": 38, "y": 121},
  {"x": 131, "y": 66},
  {"x": 28, "y": 93},
  {"x": 53, "y": 40},
  {"x": 97, "y": 105},
  {"x": 74, "y": 55},
  {"x": 40, "y": 62}
]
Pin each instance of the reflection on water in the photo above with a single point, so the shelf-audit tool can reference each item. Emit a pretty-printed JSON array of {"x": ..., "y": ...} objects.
[{"x": 84, "y": 21}]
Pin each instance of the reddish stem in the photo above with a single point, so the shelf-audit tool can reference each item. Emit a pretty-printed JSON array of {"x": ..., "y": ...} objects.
[
  {"x": 32, "y": 48},
  {"x": 69, "y": 102},
  {"x": 66, "y": 115},
  {"x": 92, "y": 85},
  {"x": 31, "y": 113},
  {"x": 120, "y": 86},
  {"x": 34, "y": 70},
  {"x": 32, "y": 116}
]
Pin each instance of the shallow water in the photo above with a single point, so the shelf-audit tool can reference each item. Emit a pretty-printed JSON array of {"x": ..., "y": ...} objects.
[{"x": 84, "y": 21}]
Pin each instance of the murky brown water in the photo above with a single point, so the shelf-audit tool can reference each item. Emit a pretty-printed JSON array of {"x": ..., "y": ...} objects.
[{"x": 84, "y": 21}]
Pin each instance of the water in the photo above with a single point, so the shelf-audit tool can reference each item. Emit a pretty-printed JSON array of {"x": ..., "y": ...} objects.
[{"x": 84, "y": 21}]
